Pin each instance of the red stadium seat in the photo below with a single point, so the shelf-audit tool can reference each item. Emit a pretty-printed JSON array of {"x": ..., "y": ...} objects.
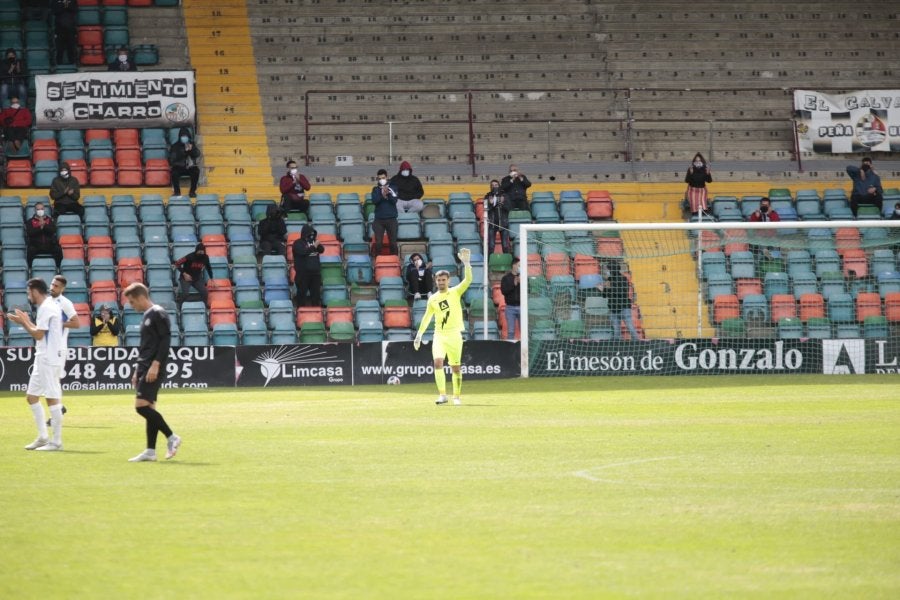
[
  {"x": 586, "y": 265},
  {"x": 90, "y": 35},
  {"x": 222, "y": 311},
  {"x": 129, "y": 172},
  {"x": 78, "y": 169},
  {"x": 855, "y": 262},
  {"x": 104, "y": 292},
  {"x": 129, "y": 270},
  {"x": 726, "y": 306},
  {"x": 868, "y": 304},
  {"x": 811, "y": 306},
  {"x": 96, "y": 134},
  {"x": 103, "y": 172},
  {"x": 331, "y": 243},
  {"x": 610, "y": 247},
  {"x": 44, "y": 150},
  {"x": 157, "y": 172},
  {"x": 92, "y": 55},
  {"x": 556, "y": 263},
  {"x": 215, "y": 244},
  {"x": 18, "y": 173},
  {"x": 99, "y": 246},
  {"x": 783, "y": 306},
  {"x": 386, "y": 266},
  {"x": 396, "y": 316},
  {"x": 599, "y": 209},
  {"x": 309, "y": 314},
  {"x": 892, "y": 307},
  {"x": 746, "y": 286},
  {"x": 845, "y": 239},
  {"x": 220, "y": 290},
  {"x": 72, "y": 246},
  {"x": 338, "y": 313},
  {"x": 127, "y": 139}
]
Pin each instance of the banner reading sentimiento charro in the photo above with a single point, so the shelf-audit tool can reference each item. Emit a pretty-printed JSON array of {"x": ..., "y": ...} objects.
[
  {"x": 863, "y": 121},
  {"x": 115, "y": 99}
]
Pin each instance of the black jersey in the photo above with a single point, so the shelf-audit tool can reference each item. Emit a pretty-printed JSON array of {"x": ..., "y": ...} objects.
[{"x": 155, "y": 338}]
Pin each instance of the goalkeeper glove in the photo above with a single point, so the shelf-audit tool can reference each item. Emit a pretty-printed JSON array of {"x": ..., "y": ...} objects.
[{"x": 418, "y": 341}]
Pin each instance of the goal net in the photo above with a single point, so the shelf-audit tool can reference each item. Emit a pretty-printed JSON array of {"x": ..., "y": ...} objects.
[{"x": 710, "y": 298}]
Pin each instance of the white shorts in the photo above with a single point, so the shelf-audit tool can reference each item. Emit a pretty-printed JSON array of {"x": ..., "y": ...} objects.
[{"x": 44, "y": 381}]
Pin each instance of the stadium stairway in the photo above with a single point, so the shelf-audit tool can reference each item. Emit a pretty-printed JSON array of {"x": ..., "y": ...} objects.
[
  {"x": 235, "y": 149},
  {"x": 653, "y": 277}
]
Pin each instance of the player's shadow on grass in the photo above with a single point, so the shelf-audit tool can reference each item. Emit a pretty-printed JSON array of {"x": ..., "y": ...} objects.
[
  {"x": 188, "y": 463},
  {"x": 68, "y": 451},
  {"x": 88, "y": 426}
]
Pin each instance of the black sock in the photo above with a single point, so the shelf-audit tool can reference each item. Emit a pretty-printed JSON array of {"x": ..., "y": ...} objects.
[{"x": 155, "y": 424}]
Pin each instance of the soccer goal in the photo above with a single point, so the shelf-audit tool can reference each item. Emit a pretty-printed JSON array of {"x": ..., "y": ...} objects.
[{"x": 715, "y": 297}]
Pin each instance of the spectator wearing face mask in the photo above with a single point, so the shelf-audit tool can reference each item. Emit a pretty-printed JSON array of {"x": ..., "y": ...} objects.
[
  {"x": 515, "y": 187},
  {"x": 308, "y": 267},
  {"x": 293, "y": 187},
  {"x": 698, "y": 175},
  {"x": 409, "y": 190},
  {"x": 497, "y": 207},
  {"x": 384, "y": 197},
  {"x": 765, "y": 213},
  {"x": 866, "y": 186},
  {"x": 895, "y": 216},
  {"x": 272, "y": 232},
  {"x": 419, "y": 279},
  {"x": 12, "y": 78},
  {"x": 183, "y": 158},
  {"x": 191, "y": 267},
  {"x": 65, "y": 192},
  {"x": 16, "y": 121},
  {"x": 123, "y": 62},
  {"x": 40, "y": 232}
]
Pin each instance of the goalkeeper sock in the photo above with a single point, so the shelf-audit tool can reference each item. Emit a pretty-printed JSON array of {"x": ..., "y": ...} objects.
[
  {"x": 457, "y": 383},
  {"x": 441, "y": 380}
]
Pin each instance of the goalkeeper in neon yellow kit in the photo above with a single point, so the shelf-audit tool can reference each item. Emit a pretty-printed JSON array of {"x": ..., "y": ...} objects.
[{"x": 446, "y": 307}]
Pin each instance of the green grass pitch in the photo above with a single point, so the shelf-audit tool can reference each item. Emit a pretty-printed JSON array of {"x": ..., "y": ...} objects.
[{"x": 665, "y": 487}]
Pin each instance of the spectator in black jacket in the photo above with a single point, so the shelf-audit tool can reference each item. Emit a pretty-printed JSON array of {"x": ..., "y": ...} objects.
[
  {"x": 498, "y": 217},
  {"x": 409, "y": 190},
  {"x": 617, "y": 290},
  {"x": 515, "y": 186},
  {"x": 183, "y": 157},
  {"x": 12, "y": 78},
  {"x": 307, "y": 267},
  {"x": 123, "y": 62},
  {"x": 191, "y": 269},
  {"x": 419, "y": 280},
  {"x": 65, "y": 14},
  {"x": 509, "y": 287},
  {"x": 272, "y": 232},
  {"x": 40, "y": 230}
]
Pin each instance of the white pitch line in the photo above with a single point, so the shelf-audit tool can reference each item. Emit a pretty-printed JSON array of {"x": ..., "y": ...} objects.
[{"x": 586, "y": 473}]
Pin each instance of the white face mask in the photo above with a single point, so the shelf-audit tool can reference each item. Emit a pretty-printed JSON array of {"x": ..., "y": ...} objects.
[
  {"x": 123, "y": 58},
  {"x": 698, "y": 164},
  {"x": 293, "y": 171},
  {"x": 513, "y": 174},
  {"x": 63, "y": 173},
  {"x": 16, "y": 105},
  {"x": 418, "y": 262},
  {"x": 39, "y": 212},
  {"x": 382, "y": 181},
  {"x": 405, "y": 172}
]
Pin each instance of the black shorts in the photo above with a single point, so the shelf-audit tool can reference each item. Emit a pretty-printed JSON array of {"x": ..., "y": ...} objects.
[{"x": 146, "y": 390}]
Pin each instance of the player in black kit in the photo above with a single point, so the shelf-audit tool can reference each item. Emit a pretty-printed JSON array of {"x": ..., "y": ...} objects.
[{"x": 150, "y": 370}]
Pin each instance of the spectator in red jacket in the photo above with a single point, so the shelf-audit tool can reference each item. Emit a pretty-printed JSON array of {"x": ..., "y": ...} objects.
[
  {"x": 41, "y": 233},
  {"x": 293, "y": 190},
  {"x": 16, "y": 121}
]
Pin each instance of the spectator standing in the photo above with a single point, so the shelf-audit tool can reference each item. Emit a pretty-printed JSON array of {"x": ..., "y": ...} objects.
[
  {"x": 515, "y": 187},
  {"x": 866, "y": 186},
  {"x": 419, "y": 279},
  {"x": 698, "y": 175},
  {"x": 65, "y": 13},
  {"x": 183, "y": 158},
  {"x": 409, "y": 190},
  {"x": 65, "y": 191},
  {"x": 40, "y": 232},
  {"x": 191, "y": 267},
  {"x": 307, "y": 267},
  {"x": 385, "y": 198},
  {"x": 272, "y": 232},
  {"x": 617, "y": 290},
  {"x": 509, "y": 287},
  {"x": 497, "y": 207},
  {"x": 12, "y": 78},
  {"x": 294, "y": 186},
  {"x": 123, "y": 61},
  {"x": 16, "y": 121},
  {"x": 105, "y": 328}
]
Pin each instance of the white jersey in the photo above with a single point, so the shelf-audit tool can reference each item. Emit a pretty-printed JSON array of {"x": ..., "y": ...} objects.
[
  {"x": 68, "y": 311},
  {"x": 51, "y": 350}
]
